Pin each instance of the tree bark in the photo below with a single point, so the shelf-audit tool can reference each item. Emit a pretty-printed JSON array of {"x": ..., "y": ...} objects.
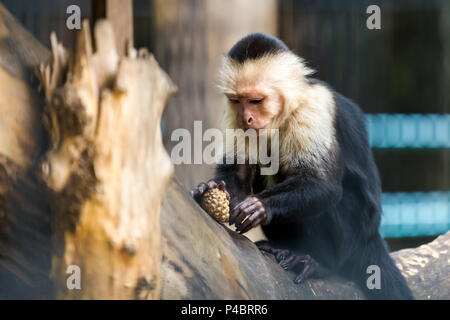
[
  {"x": 25, "y": 246},
  {"x": 90, "y": 200},
  {"x": 102, "y": 114},
  {"x": 427, "y": 268}
]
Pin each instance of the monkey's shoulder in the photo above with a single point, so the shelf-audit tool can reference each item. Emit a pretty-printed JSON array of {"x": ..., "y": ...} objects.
[{"x": 349, "y": 117}]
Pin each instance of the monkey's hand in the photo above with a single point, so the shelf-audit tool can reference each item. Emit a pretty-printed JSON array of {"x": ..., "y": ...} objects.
[
  {"x": 197, "y": 193},
  {"x": 248, "y": 214}
]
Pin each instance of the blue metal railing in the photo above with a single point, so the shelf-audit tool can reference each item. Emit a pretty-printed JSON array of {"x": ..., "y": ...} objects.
[
  {"x": 415, "y": 214},
  {"x": 408, "y": 131}
]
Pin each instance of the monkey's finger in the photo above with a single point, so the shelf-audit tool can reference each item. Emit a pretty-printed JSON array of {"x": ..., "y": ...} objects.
[
  {"x": 265, "y": 245},
  {"x": 240, "y": 217},
  {"x": 247, "y": 201},
  {"x": 245, "y": 230},
  {"x": 249, "y": 223},
  {"x": 233, "y": 216},
  {"x": 222, "y": 185},
  {"x": 282, "y": 254},
  {"x": 238, "y": 211},
  {"x": 202, "y": 187},
  {"x": 251, "y": 203},
  {"x": 297, "y": 264},
  {"x": 250, "y": 210},
  {"x": 288, "y": 263},
  {"x": 307, "y": 270},
  {"x": 211, "y": 184},
  {"x": 256, "y": 222},
  {"x": 245, "y": 224},
  {"x": 195, "y": 193},
  {"x": 237, "y": 207},
  {"x": 234, "y": 213}
]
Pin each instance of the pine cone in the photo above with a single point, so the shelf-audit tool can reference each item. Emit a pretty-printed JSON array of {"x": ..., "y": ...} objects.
[{"x": 216, "y": 204}]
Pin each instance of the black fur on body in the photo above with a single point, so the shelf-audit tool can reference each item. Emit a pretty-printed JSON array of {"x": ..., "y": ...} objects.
[{"x": 335, "y": 217}]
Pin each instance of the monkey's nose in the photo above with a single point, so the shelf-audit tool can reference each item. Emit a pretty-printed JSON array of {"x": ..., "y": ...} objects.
[{"x": 250, "y": 120}]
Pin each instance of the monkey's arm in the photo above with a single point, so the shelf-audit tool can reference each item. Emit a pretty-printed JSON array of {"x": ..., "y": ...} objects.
[
  {"x": 296, "y": 198},
  {"x": 300, "y": 198}
]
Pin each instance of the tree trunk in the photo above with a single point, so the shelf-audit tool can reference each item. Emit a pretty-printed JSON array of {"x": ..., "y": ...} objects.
[
  {"x": 89, "y": 201},
  {"x": 93, "y": 198},
  {"x": 25, "y": 247},
  {"x": 103, "y": 113}
]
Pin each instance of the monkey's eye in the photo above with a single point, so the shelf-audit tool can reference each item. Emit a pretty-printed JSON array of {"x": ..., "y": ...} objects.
[
  {"x": 234, "y": 101},
  {"x": 256, "y": 101}
]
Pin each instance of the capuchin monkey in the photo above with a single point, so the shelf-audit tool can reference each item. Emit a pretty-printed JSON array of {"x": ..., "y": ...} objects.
[{"x": 321, "y": 211}]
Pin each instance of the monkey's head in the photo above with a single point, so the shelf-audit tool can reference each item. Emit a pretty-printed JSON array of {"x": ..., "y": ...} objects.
[{"x": 262, "y": 81}]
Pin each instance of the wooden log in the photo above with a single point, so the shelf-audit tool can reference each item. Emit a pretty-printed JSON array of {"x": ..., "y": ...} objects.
[
  {"x": 427, "y": 268},
  {"x": 97, "y": 175},
  {"x": 205, "y": 260},
  {"x": 21, "y": 131},
  {"x": 106, "y": 166},
  {"x": 25, "y": 247}
]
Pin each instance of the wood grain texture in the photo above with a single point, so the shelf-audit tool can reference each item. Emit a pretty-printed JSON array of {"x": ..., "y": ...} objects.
[
  {"x": 106, "y": 166},
  {"x": 25, "y": 244},
  {"x": 25, "y": 235},
  {"x": 427, "y": 268},
  {"x": 21, "y": 131}
]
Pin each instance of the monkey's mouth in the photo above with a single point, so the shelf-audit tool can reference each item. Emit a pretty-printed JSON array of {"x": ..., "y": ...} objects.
[{"x": 257, "y": 129}]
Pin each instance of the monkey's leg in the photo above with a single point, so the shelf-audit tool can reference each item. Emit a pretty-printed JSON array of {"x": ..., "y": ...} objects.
[
  {"x": 266, "y": 246},
  {"x": 303, "y": 265}
]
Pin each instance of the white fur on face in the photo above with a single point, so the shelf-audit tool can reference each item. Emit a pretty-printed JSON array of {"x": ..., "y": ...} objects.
[{"x": 306, "y": 119}]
